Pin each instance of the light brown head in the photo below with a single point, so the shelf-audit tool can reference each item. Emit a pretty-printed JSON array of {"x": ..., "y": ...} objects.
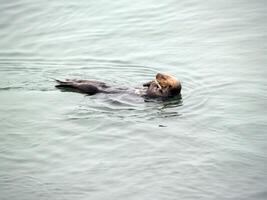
[{"x": 164, "y": 85}]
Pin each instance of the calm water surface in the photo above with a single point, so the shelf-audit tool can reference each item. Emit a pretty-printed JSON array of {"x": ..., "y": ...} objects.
[{"x": 211, "y": 144}]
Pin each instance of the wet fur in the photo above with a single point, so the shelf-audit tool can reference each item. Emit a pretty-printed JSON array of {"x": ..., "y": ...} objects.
[{"x": 163, "y": 86}]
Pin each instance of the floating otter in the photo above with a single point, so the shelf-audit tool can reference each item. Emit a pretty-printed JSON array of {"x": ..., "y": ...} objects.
[{"x": 163, "y": 86}]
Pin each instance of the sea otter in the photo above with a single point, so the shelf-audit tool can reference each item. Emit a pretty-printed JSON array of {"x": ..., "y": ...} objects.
[{"x": 163, "y": 86}]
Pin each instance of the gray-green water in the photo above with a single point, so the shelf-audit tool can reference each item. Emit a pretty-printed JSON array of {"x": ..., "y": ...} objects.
[{"x": 60, "y": 145}]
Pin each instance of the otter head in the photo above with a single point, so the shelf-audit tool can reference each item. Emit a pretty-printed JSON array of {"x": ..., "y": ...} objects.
[{"x": 164, "y": 85}]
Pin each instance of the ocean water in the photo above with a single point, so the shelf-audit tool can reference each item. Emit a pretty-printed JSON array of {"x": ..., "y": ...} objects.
[{"x": 211, "y": 144}]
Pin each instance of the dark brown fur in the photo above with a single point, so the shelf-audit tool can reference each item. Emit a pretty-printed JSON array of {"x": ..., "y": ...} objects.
[{"x": 162, "y": 86}]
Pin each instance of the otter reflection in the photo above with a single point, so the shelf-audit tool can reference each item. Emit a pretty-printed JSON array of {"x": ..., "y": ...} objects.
[{"x": 163, "y": 86}]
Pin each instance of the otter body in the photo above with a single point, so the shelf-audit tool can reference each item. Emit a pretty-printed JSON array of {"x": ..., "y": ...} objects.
[{"x": 163, "y": 86}]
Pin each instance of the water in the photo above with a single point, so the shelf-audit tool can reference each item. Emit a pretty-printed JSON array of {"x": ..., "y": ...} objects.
[{"x": 61, "y": 145}]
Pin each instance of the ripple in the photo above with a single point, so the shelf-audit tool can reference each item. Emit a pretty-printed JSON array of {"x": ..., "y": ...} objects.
[
  {"x": 194, "y": 91},
  {"x": 11, "y": 88},
  {"x": 195, "y": 94}
]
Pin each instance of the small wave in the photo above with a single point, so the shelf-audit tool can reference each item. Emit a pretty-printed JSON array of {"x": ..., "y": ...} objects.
[
  {"x": 195, "y": 94},
  {"x": 10, "y": 88}
]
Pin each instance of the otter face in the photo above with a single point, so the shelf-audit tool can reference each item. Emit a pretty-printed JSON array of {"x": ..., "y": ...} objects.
[{"x": 164, "y": 86}]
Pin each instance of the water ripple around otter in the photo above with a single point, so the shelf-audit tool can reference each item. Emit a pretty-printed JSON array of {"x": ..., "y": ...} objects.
[{"x": 124, "y": 74}]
